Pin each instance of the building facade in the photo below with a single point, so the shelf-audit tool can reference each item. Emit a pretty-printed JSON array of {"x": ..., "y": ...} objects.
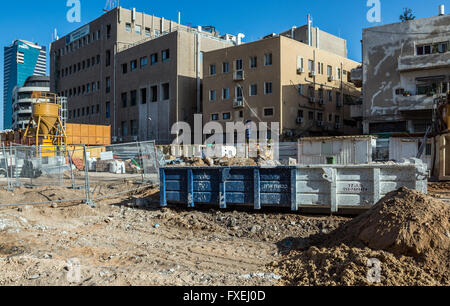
[
  {"x": 136, "y": 72},
  {"x": 22, "y": 100},
  {"x": 22, "y": 60},
  {"x": 405, "y": 73},
  {"x": 280, "y": 79}
]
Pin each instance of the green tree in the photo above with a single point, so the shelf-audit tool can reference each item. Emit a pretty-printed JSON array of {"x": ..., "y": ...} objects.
[{"x": 407, "y": 15}]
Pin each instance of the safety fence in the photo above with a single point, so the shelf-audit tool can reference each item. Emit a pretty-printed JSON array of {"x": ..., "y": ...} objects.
[{"x": 75, "y": 173}]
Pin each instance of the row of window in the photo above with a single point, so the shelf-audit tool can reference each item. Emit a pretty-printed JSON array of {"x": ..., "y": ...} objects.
[
  {"x": 84, "y": 111},
  {"x": 267, "y": 112},
  {"x": 319, "y": 116},
  {"x": 90, "y": 62},
  {"x": 239, "y": 64},
  {"x": 143, "y": 61},
  {"x": 81, "y": 90},
  {"x": 84, "y": 41},
  {"x": 440, "y": 47},
  {"x": 239, "y": 91},
  {"x": 138, "y": 30},
  {"x": 153, "y": 97},
  {"x": 123, "y": 130}
]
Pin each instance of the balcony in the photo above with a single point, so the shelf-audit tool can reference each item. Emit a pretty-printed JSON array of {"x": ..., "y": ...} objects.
[
  {"x": 356, "y": 76},
  {"x": 420, "y": 62},
  {"x": 356, "y": 111},
  {"x": 415, "y": 102},
  {"x": 238, "y": 102},
  {"x": 239, "y": 75}
]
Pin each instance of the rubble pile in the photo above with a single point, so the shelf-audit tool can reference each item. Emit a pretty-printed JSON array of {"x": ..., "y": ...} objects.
[{"x": 407, "y": 232}]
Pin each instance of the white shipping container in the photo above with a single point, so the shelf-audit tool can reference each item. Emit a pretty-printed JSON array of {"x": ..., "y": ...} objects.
[{"x": 346, "y": 150}]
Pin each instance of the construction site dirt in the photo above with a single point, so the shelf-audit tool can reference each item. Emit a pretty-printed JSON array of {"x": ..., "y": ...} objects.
[{"x": 130, "y": 240}]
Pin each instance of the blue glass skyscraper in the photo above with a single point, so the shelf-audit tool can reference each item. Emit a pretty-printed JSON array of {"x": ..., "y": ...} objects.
[{"x": 22, "y": 60}]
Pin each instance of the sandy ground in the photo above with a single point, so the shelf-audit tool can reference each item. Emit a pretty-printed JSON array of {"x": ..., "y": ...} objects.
[{"x": 129, "y": 240}]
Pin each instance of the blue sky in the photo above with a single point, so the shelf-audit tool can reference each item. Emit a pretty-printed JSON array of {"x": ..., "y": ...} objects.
[{"x": 36, "y": 20}]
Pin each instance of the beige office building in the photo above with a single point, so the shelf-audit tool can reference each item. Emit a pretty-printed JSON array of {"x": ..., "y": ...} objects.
[
  {"x": 279, "y": 79},
  {"x": 136, "y": 72}
]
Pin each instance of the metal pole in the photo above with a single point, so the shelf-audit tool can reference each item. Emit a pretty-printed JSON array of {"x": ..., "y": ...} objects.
[
  {"x": 86, "y": 181},
  {"x": 141, "y": 160},
  {"x": 11, "y": 185}
]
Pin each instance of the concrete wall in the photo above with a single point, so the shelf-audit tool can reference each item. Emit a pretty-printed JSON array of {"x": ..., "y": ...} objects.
[{"x": 390, "y": 63}]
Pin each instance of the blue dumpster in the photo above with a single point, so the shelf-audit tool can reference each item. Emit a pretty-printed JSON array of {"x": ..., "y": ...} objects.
[{"x": 257, "y": 186}]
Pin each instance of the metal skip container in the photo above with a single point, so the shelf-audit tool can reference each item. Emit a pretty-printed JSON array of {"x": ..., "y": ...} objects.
[{"x": 334, "y": 187}]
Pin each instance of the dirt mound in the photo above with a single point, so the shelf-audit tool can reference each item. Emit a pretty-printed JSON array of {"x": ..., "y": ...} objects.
[
  {"x": 405, "y": 222},
  {"x": 407, "y": 231}
]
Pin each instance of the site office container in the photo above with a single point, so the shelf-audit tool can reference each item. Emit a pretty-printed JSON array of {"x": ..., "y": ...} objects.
[
  {"x": 335, "y": 187},
  {"x": 345, "y": 150}
]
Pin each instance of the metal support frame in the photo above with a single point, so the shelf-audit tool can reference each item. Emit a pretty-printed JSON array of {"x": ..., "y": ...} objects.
[{"x": 86, "y": 181}]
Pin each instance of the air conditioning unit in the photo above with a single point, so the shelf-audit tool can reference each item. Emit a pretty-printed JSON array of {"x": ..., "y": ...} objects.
[
  {"x": 300, "y": 120},
  {"x": 300, "y": 70},
  {"x": 330, "y": 78},
  {"x": 319, "y": 123},
  {"x": 114, "y": 139},
  {"x": 238, "y": 102},
  {"x": 239, "y": 75},
  {"x": 321, "y": 101},
  {"x": 120, "y": 139},
  {"x": 135, "y": 138},
  {"x": 289, "y": 133},
  {"x": 312, "y": 74},
  {"x": 312, "y": 99}
]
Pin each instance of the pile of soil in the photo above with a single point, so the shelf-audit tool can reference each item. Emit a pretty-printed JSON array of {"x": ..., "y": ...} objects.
[{"x": 407, "y": 231}]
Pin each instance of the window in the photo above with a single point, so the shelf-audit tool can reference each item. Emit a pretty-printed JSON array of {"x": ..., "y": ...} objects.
[
  {"x": 108, "y": 31},
  {"x": 300, "y": 113},
  {"x": 134, "y": 129},
  {"x": 124, "y": 68},
  {"x": 133, "y": 97},
  {"x": 212, "y": 95},
  {"x": 330, "y": 96},
  {"x": 268, "y": 88},
  {"x": 154, "y": 93},
  {"x": 137, "y": 28},
  {"x": 212, "y": 69},
  {"x": 93, "y": 109},
  {"x": 88, "y": 62},
  {"x": 165, "y": 91},
  {"x": 82, "y": 112},
  {"x": 108, "y": 58},
  {"x": 320, "y": 68},
  {"x": 338, "y": 97},
  {"x": 214, "y": 117},
  {"x": 239, "y": 65},
  {"x": 98, "y": 59},
  {"x": 337, "y": 119},
  {"x": 300, "y": 63},
  {"x": 124, "y": 128},
  {"x": 225, "y": 93},
  {"x": 147, "y": 32},
  {"x": 311, "y": 115},
  {"x": 253, "y": 90},
  {"x": 338, "y": 73},
  {"x": 143, "y": 95},
  {"x": 124, "y": 99},
  {"x": 133, "y": 65},
  {"x": 87, "y": 111},
  {"x": 241, "y": 114},
  {"x": 143, "y": 61},
  {"x": 128, "y": 27},
  {"x": 330, "y": 117},
  {"x": 268, "y": 112},
  {"x": 239, "y": 92},
  {"x": 98, "y": 109},
  {"x": 154, "y": 58},
  {"x": 165, "y": 55},
  {"x": 329, "y": 71},
  {"x": 226, "y": 116},
  {"x": 253, "y": 62},
  {"x": 301, "y": 89},
  {"x": 268, "y": 59},
  {"x": 311, "y": 66},
  {"x": 108, "y": 84},
  {"x": 319, "y": 116},
  {"x": 226, "y": 67}
]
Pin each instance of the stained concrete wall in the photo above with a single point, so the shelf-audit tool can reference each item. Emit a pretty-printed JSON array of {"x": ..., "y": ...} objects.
[{"x": 390, "y": 62}]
